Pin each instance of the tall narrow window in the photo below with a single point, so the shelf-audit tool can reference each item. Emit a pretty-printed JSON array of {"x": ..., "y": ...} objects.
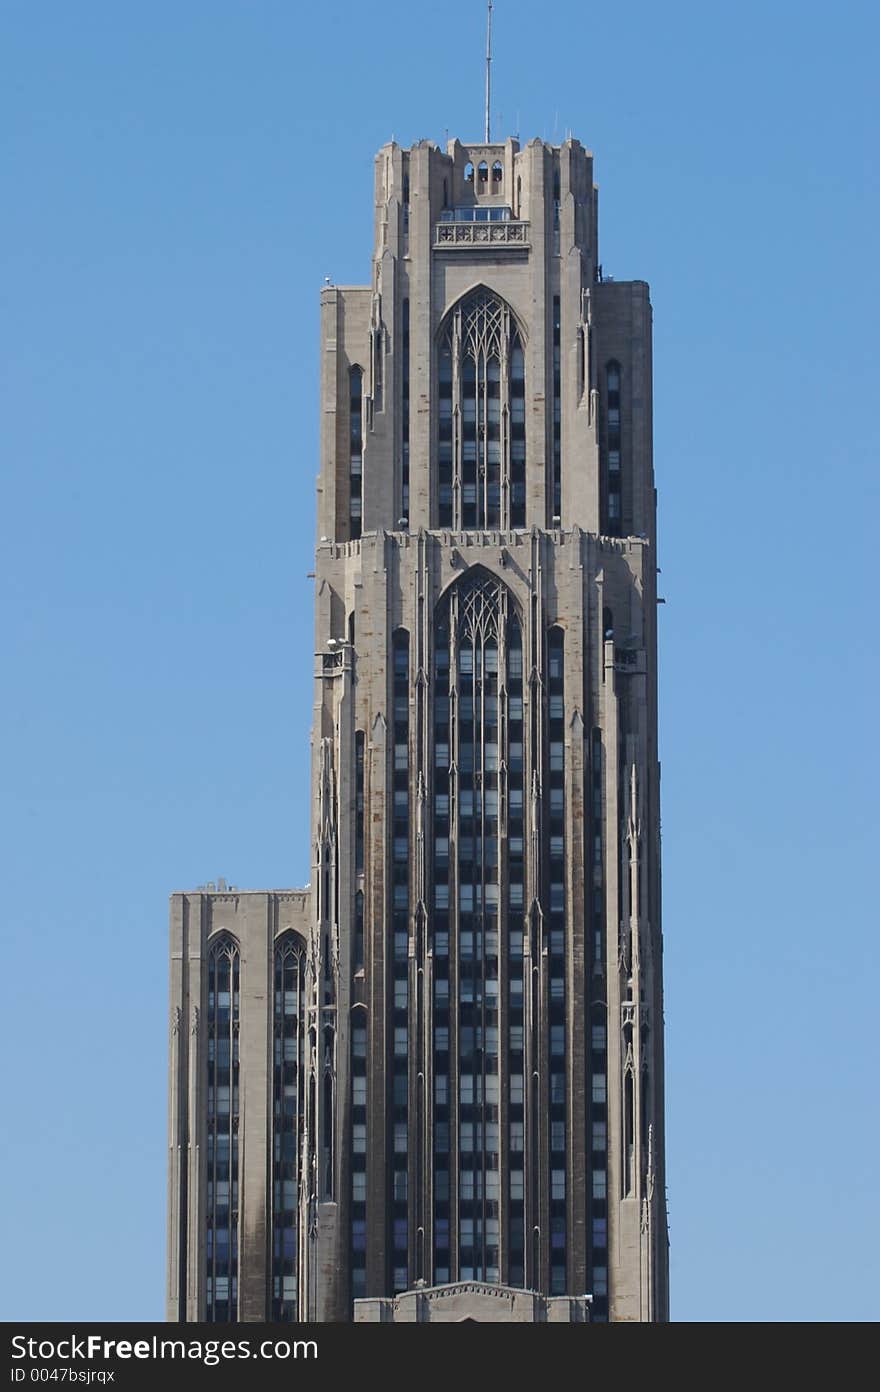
[
  {"x": 359, "y": 801},
  {"x": 288, "y": 1081},
  {"x": 444, "y": 434},
  {"x": 221, "y": 1218},
  {"x": 356, "y": 450},
  {"x": 515, "y": 910},
  {"x": 557, "y": 413},
  {"x": 400, "y": 919},
  {"x": 597, "y": 1094},
  {"x": 404, "y": 413},
  {"x": 613, "y": 449},
  {"x": 358, "y": 1152},
  {"x": 555, "y": 825},
  {"x": 481, "y": 417}
]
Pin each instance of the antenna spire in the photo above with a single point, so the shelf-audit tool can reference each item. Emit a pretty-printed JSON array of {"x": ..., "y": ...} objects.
[{"x": 488, "y": 67}]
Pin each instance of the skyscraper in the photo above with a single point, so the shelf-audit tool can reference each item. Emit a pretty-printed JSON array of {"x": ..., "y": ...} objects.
[{"x": 430, "y": 1085}]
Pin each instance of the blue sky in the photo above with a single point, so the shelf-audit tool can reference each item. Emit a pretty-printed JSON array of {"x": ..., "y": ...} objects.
[{"x": 178, "y": 180}]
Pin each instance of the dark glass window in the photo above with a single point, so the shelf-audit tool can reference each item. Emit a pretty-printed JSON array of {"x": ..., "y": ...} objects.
[
  {"x": 289, "y": 1032},
  {"x": 481, "y": 417},
  {"x": 557, "y": 411},
  {"x": 400, "y": 870},
  {"x": 554, "y": 829},
  {"x": 404, "y": 417},
  {"x": 356, "y": 450},
  {"x": 478, "y": 672},
  {"x": 613, "y": 512},
  {"x": 221, "y": 1215},
  {"x": 359, "y": 801}
]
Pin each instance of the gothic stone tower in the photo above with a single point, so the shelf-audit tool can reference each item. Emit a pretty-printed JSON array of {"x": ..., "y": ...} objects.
[{"x": 434, "y": 1080}]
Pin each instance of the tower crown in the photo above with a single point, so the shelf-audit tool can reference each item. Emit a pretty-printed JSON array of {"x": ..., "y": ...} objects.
[{"x": 427, "y": 425}]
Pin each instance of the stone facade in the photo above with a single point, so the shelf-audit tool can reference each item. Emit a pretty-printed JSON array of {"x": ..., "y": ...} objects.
[
  {"x": 471, "y": 1301},
  {"x": 443, "y": 1063}
]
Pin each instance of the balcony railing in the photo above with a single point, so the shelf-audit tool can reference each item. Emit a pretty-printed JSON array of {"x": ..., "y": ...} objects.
[{"x": 451, "y": 235}]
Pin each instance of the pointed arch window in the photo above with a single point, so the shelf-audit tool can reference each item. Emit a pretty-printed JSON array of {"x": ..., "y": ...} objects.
[
  {"x": 221, "y": 1217},
  {"x": 481, "y": 449},
  {"x": 288, "y": 1082},
  {"x": 477, "y": 768}
]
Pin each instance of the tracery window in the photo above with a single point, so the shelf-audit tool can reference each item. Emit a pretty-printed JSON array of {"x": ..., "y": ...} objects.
[
  {"x": 221, "y": 1217},
  {"x": 481, "y": 448},
  {"x": 477, "y": 726},
  {"x": 288, "y": 1083}
]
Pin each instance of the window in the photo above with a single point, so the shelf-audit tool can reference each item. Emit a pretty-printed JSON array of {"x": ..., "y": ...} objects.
[
  {"x": 557, "y": 396},
  {"x": 613, "y": 447},
  {"x": 359, "y": 799},
  {"x": 356, "y": 446},
  {"x": 481, "y": 483},
  {"x": 404, "y": 441},
  {"x": 479, "y": 612},
  {"x": 221, "y": 1220}
]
